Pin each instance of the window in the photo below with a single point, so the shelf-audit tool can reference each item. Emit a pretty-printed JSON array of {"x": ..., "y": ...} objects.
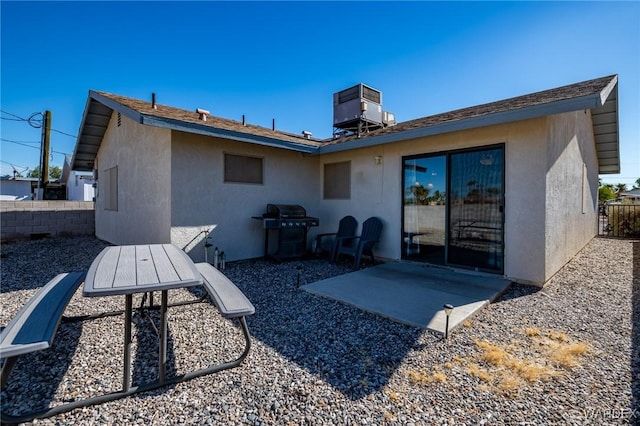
[
  {"x": 337, "y": 181},
  {"x": 243, "y": 169},
  {"x": 110, "y": 177}
]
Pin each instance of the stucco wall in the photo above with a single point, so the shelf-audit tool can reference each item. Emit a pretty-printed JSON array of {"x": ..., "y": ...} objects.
[
  {"x": 200, "y": 199},
  {"x": 376, "y": 190},
  {"x": 571, "y": 188},
  {"x": 171, "y": 189},
  {"x": 143, "y": 157}
]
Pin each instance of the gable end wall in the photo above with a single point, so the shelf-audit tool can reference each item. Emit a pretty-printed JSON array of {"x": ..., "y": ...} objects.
[
  {"x": 571, "y": 188},
  {"x": 143, "y": 157}
]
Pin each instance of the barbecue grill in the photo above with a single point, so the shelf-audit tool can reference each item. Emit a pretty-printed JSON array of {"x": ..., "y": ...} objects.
[{"x": 290, "y": 223}]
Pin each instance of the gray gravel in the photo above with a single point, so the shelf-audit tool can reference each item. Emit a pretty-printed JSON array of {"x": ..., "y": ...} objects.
[{"x": 315, "y": 361}]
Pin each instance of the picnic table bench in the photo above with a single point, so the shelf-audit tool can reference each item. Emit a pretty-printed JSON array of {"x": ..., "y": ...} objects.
[
  {"x": 34, "y": 326},
  {"x": 124, "y": 270}
]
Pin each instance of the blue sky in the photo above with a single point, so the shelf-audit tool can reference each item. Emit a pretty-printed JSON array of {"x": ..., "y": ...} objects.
[{"x": 284, "y": 61}]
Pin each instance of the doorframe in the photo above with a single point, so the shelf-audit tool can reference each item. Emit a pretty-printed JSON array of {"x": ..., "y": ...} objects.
[{"x": 448, "y": 154}]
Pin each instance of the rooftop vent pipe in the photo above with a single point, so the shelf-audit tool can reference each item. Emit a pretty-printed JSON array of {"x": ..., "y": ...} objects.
[
  {"x": 202, "y": 114},
  {"x": 306, "y": 134},
  {"x": 153, "y": 101}
]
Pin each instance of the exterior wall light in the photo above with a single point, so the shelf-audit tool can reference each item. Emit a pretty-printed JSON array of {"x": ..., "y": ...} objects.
[
  {"x": 378, "y": 159},
  {"x": 447, "y": 311}
]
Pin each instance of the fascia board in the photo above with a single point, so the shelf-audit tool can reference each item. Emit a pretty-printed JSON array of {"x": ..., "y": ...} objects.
[
  {"x": 574, "y": 104},
  {"x": 79, "y": 133},
  {"x": 604, "y": 94},
  {"x": 222, "y": 133},
  {"x": 116, "y": 106}
]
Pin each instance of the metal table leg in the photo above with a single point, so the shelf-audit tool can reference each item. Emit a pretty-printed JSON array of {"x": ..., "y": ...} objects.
[
  {"x": 162, "y": 366},
  {"x": 126, "y": 378}
]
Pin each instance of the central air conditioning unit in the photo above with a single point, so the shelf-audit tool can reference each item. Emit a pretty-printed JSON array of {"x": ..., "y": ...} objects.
[{"x": 358, "y": 108}]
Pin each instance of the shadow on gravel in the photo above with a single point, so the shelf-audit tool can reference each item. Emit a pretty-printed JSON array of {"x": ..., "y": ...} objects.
[
  {"x": 635, "y": 337},
  {"x": 41, "y": 260},
  {"x": 515, "y": 291},
  {"x": 35, "y": 379},
  {"x": 354, "y": 351}
]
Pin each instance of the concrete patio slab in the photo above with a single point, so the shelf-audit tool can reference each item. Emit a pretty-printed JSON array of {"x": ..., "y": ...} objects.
[{"x": 413, "y": 294}]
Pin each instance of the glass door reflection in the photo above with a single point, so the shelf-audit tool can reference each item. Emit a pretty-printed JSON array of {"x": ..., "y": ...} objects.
[
  {"x": 476, "y": 209},
  {"x": 424, "y": 209}
]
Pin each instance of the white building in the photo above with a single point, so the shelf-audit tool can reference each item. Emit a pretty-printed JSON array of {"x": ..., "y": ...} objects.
[{"x": 80, "y": 185}]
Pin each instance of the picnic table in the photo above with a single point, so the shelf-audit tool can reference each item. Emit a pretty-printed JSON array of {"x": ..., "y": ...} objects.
[{"x": 122, "y": 271}]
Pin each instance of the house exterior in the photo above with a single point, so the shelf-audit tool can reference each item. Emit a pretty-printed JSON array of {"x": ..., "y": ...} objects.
[
  {"x": 632, "y": 195},
  {"x": 16, "y": 189},
  {"x": 79, "y": 185},
  {"x": 508, "y": 187}
]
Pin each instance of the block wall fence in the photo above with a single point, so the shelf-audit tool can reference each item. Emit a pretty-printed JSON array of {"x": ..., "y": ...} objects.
[{"x": 35, "y": 219}]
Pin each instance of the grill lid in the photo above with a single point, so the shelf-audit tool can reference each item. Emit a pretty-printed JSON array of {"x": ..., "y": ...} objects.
[{"x": 285, "y": 210}]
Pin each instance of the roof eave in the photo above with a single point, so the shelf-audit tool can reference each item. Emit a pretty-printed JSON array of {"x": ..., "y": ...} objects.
[
  {"x": 606, "y": 130},
  {"x": 573, "y": 104},
  {"x": 201, "y": 129}
]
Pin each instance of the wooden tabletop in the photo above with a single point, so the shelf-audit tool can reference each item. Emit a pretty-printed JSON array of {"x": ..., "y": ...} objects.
[{"x": 138, "y": 269}]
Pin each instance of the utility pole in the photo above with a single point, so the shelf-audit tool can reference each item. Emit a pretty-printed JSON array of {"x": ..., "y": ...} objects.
[{"x": 44, "y": 170}]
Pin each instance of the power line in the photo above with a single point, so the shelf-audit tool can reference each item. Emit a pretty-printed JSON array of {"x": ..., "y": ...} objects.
[
  {"x": 32, "y": 120},
  {"x": 30, "y": 146},
  {"x": 63, "y": 133},
  {"x": 13, "y": 165},
  {"x": 9, "y": 140},
  {"x": 18, "y": 118}
]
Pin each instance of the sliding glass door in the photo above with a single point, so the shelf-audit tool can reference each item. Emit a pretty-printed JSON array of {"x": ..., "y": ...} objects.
[
  {"x": 453, "y": 208},
  {"x": 425, "y": 196}
]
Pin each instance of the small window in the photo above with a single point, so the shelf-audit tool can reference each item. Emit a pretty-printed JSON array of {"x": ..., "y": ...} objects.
[
  {"x": 337, "y": 181},
  {"x": 110, "y": 177},
  {"x": 243, "y": 169}
]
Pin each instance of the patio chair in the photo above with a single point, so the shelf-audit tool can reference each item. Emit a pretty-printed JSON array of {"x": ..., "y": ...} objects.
[
  {"x": 346, "y": 228},
  {"x": 371, "y": 229}
]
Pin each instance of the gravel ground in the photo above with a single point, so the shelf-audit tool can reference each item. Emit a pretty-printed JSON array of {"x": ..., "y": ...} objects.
[{"x": 566, "y": 354}]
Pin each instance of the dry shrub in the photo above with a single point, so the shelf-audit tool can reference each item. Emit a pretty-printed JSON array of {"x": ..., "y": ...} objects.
[
  {"x": 424, "y": 377},
  {"x": 567, "y": 355},
  {"x": 467, "y": 324},
  {"x": 491, "y": 353},
  {"x": 533, "y": 372},
  {"x": 439, "y": 377},
  {"x": 394, "y": 396},
  {"x": 532, "y": 331},
  {"x": 554, "y": 335},
  {"x": 476, "y": 371},
  {"x": 505, "y": 369},
  {"x": 509, "y": 384}
]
